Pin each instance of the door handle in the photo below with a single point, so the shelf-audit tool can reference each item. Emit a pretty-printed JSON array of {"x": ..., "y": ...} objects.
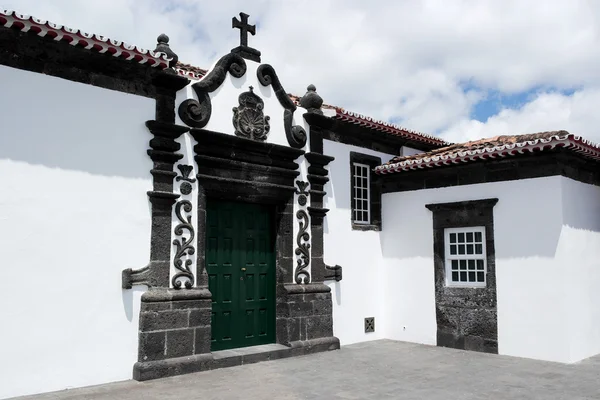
[{"x": 243, "y": 269}]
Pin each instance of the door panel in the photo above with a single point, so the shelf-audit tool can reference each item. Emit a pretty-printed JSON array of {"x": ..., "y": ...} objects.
[{"x": 240, "y": 262}]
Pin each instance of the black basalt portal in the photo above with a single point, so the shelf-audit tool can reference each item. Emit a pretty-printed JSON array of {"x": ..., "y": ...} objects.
[
  {"x": 296, "y": 135},
  {"x": 249, "y": 120},
  {"x": 196, "y": 113}
]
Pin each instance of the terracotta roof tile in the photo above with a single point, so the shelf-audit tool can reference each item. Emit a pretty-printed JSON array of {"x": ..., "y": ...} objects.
[
  {"x": 76, "y": 37},
  {"x": 189, "y": 71},
  {"x": 492, "y": 148},
  {"x": 381, "y": 126}
]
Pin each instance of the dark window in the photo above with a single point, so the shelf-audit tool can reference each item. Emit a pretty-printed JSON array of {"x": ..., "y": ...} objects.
[{"x": 365, "y": 192}]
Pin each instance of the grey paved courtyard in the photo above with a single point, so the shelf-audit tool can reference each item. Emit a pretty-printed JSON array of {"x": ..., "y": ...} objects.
[{"x": 374, "y": 370}]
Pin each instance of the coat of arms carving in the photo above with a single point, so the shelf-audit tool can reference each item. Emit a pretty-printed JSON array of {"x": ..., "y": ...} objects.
[{"x": 249, "y": 120}]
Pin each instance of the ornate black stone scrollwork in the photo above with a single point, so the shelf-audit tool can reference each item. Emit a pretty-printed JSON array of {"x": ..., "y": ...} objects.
[
  {"x": 183, "y": 246},
  {"x": 302, "y": 193},
  {"x": 185, "y": 170},
  {"x": 196, "y": 113},
  {"x": 296, "y": 135},
  {"x": 249, "y": 120},
  {"x": 302, "y": 275}
]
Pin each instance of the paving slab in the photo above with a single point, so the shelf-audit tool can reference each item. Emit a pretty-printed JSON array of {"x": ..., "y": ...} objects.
[{"x": 381, "y": 369}]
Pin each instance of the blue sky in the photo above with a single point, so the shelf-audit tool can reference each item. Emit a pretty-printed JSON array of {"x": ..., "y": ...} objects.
[{"x": 528, "y": 67}]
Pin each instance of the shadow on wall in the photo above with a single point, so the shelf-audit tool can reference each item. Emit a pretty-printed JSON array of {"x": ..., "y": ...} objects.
[
  {"x": 527, "y": 223},
  {"x": 63, "y": 124},
  {"x": 128, "y": 296}
]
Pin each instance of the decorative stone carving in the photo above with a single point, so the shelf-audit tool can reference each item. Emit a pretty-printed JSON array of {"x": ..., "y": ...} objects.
[
  {"x": 184, "y": 245},
  {"x": 301, "y": 191},
  {"x": 249, "y": 120},
  {"x": 296, "y": 135},
  {"x": 302, "y": 276},
  {"x": 245, "y": 28},
  {"x": 163, "y": 47},
  {"x": 312, "y": 101},
  {"x": 196, "y": 113}
]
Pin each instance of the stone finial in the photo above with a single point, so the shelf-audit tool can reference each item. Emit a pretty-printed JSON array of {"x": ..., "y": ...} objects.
[
  {"x": 163, "y": 47},
  {"x": 311, "y": 100}
]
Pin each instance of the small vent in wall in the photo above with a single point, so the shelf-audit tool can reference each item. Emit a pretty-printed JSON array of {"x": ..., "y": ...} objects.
[{"x": 369, "y": 324}]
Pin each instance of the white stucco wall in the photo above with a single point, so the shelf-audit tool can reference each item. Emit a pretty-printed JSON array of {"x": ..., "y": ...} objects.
[
  {"x": 578, "y": 252},
  {"x": 73, "y": 214},
  {"x": 409, "y": 151},
  {"x": 547, "y": 242},
  {"x": 530, "y": 289},
  {"x": 360, "y": 293}
]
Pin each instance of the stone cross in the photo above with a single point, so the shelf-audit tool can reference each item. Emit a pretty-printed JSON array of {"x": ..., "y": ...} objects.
[{"x": 244, "y": 28}]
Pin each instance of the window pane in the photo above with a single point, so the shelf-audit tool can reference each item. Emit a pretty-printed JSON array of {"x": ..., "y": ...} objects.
[
  {"x": 480, "y": 277},
  {"x": 479, "y": 264},
  {"x": 469, "y": 236},
  {"x": 471, "y": 264},
  {"x": 463, "y": 264},
  {"x": 472, "y": 276},
  {"x": 463, "y": 276},
  {"x": 453, "y": 238},
  {"x": 478, "y": 236},
  {"x": 452, "y": 249},
  {"x": 454, "y": 276},
  {"x": 454, "y": 264},
  {"x": 461, "y": 247},
  {"x": 478, "y": 249},
  {"x": 365, "y": 216},
  {"x": 469, "y": 249},
  {"x": 461, "y": 237}
]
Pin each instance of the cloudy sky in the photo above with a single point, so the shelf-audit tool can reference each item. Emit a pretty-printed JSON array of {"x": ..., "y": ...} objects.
[{"x": 461, "y": 69}]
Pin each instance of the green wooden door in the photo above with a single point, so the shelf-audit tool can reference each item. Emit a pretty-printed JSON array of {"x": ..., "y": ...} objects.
[{"x": 240, "y": 262}]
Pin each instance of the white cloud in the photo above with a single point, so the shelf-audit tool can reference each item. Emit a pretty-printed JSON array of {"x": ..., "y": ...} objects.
[
  {"x": 548, "y": 111},
  {"x": 396, "y": 60}
]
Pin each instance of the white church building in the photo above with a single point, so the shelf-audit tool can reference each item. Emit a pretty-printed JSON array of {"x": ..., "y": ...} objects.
[{"x": 158, "y": 219}]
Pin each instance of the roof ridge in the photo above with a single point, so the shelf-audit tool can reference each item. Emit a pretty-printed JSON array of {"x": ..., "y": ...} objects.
[{"x": 529, "y": 143}]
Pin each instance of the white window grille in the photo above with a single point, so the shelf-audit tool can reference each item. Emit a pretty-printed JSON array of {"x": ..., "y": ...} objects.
[
  {"x": 361, "y": 196},
  {"x": 466, "y": 264}
]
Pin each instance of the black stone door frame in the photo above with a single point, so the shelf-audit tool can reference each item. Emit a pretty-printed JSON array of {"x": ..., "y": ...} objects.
[{"x": 238, "y": 169}]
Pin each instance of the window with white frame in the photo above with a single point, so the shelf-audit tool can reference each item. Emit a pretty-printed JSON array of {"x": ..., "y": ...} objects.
[
  {"x": 465, "y": 256},
  {"x": 361, "y": 196}
]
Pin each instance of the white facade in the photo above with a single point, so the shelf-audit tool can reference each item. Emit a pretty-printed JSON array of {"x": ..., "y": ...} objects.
[
  {"x": 547, "y": 263},
  {"x": 73, "y": 214},
  {"x": 359, "y": 294}
]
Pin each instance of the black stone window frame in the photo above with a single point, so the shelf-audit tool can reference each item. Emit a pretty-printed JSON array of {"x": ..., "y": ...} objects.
[
  {"x": 374, "y": 194},
  {"x": 463, "y": 214},
  {"x": 466, "y": 317},
  {"x": 465, "y": 256}
]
